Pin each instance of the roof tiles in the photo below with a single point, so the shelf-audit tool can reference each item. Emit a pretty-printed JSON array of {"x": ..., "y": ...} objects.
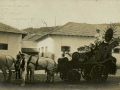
[
  {"x": 82, "y": 29},
  {"x": 7, "y": 28},
  {"x": 74, "y": 29}
]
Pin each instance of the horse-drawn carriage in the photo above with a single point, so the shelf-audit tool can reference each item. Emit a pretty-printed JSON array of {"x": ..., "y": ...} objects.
[{"x": 94, "y": 65}]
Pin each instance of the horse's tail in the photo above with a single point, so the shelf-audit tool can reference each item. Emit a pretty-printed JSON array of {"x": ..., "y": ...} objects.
[
  {"x": 55, "y": 67},
  {"x": 14, "y": 60}
]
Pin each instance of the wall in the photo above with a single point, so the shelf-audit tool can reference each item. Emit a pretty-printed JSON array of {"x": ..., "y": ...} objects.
[
  {"x": 14, "y": 43},
  {"x": 29, "y": 44},
  {"x": 73, "y": 41},
  {"x": 47, "y": 44}
]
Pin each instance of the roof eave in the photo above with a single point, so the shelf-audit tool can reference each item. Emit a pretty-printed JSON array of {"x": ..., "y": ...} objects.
[
  {"x": 61, "y": 35},
  {"x": 42, "y": 37},
  {"x": 71, "y": 35},
  {"x": 15, "y": 32}
]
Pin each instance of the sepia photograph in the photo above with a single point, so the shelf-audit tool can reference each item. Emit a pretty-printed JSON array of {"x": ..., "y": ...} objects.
[{"x": 59, "y": 44}]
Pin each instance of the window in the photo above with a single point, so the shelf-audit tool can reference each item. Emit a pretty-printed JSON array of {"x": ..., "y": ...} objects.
[
  {"x": 46, "y": 49},
  {"x": 3, "y": 46},
  {"x": 116, "y": 50},
  {"x": 42, "y": 52},
  {"x": 65, "y": 48}
]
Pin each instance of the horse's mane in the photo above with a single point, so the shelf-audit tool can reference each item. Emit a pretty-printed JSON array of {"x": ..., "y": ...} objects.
[{"x": 26, "y": 55}]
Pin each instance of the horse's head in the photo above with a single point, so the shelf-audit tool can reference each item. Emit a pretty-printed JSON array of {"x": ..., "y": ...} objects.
[
  {"x": 20, "y": 63},
  {"x": 20, "y": 56}
]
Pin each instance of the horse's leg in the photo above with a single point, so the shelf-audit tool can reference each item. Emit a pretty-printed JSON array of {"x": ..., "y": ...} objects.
[
  {"x": 10, "y": 75},
  {"x": 4, "y": 73},
  {"x": 19, "y": 74},
  {"x": 16, "y": 74},
  {"x": 32, "y": 75},
  {"x": 52, "y": 77},
  {"x": 48, "y": 77},
  {"x": 28, "y": 74},
  {"x": 23, "y": 77},
  {"x": 51, "y": 73}
]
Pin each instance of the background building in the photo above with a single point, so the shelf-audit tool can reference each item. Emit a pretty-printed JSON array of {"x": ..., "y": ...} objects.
[
  {"x": 10, "y": 40},
  {"x": 68, "y": 37}
]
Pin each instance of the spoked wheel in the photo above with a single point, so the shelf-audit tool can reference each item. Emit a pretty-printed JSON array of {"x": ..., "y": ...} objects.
[
  {"x": 99, "y": 73},
  {"x": 73, "y": 75},
  {"x": 75, "y": 56},
  {"x": 86, "y": 75}
]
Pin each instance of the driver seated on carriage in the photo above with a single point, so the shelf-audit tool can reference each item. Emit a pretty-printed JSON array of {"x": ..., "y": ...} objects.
[{"x": 66, "y": 56}]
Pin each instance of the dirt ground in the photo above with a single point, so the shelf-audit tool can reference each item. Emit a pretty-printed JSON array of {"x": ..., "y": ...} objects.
[{"x": 113, "y": 83}]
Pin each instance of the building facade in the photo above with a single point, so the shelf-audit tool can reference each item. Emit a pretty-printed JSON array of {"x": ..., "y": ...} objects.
[
  {"x": 52, "y": 46},
  {"x": 10, "y": 40},
  {"x": 30, "y": 47}
]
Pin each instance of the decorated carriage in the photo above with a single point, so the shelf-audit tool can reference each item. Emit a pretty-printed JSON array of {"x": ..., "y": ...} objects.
[{"x": 93, "y": 65}]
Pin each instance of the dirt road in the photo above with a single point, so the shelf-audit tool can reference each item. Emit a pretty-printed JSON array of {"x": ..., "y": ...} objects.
[{"x": 113, "y": 83}]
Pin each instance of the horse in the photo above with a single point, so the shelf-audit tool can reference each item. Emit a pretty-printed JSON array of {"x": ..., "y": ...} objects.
[
  {"x": 6, "y": 63},
  {"x": 30, "y": 63}
]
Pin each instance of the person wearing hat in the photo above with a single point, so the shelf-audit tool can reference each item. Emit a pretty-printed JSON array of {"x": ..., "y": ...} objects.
[{"x": 98, "y": 37}]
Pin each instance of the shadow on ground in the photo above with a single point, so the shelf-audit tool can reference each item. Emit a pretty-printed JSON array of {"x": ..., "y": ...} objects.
[{"x": 112, "y": 83}]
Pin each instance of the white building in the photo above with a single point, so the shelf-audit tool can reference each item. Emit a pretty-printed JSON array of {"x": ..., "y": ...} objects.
[
  {"x": 52, "y": 46},
  {"x": 28, "y": 46},
  {"x": 29, "y": 43},
  {"x": 10, "y": 40}
]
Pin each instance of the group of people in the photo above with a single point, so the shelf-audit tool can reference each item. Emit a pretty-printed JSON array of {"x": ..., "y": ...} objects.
[{"x": 85, "y": 48}]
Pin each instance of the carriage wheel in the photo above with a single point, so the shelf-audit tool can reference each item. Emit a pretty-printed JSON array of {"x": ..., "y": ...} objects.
[
  {"x": 99, "y": 73},
  {"x": 86, "y": 75},
  {"x": 73, "y": 75},
  {"x": 75, "y": 56},
  {"x": 63, "y": 76}
]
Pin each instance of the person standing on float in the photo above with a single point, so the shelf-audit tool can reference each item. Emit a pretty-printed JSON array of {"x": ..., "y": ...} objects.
[{"x": 98, "y": 37}]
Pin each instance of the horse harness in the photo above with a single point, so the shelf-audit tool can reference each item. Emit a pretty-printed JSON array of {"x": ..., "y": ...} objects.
[
  {"x": 36, "y": 64},
  {"x": 23, "y": 64}
]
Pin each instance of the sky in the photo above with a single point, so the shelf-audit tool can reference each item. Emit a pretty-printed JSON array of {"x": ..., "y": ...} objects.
[{"x": 22, "y": 14}]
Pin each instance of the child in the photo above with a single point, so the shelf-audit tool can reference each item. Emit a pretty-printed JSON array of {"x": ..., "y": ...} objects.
[{"x": 98, "y": 37}]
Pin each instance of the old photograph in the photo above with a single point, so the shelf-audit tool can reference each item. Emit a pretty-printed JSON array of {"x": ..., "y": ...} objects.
[{"x": 59, "y": 44}]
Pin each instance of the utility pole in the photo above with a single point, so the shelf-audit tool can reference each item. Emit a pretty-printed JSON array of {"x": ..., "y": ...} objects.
[{"x": 55, "y": 21}]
